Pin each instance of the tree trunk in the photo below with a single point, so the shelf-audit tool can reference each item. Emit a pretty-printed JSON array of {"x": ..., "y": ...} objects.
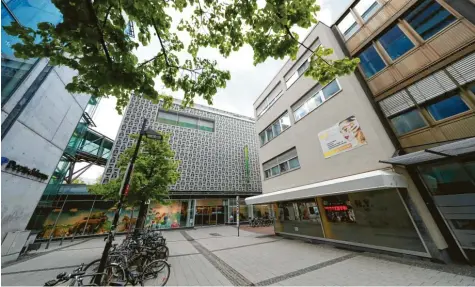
[{"x": 142, "y": 216}]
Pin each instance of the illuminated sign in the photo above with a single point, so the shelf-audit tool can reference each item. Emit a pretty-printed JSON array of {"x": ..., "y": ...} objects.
[{"x": 12, "y": 165}]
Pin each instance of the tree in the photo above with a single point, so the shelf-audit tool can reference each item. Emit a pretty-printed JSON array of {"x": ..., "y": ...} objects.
[
  {"x": 155, "y": 170},
  {"x": 91, "y": 40},
  {"x": 78, "y": 181}
]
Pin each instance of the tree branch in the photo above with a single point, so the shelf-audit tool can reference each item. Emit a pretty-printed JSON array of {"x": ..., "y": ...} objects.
[
  {"x": 101, "y": 35},
  {"x": 302, "y": 44},
  {"x": 166, "y": 56},
  {"x": 107, "y": 16},
  {"x": 148, "y": 61}
]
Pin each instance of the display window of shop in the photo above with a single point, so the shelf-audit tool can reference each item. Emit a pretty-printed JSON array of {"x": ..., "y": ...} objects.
[
  {"x": 298, "y": 217},
  {"x": 452, "y": 185},
  {"x": 376, "y": 218}
]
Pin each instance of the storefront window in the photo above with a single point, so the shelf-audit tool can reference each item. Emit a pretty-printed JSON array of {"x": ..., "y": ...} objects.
[
  {"x": 298, "y": 217},
  {"x": 453, "y": 188},
  {"x": 375, "y": 217},
  {"x": 260, "y": 211}
]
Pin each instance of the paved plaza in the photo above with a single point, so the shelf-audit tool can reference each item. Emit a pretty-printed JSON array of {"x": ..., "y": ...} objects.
[{"x": 216, "y": 256}]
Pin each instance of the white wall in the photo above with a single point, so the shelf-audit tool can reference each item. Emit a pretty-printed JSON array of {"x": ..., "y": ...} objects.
[{"x": 37, "y": 140}]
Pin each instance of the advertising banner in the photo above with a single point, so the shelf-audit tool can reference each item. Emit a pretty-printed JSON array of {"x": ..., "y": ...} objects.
[{"x": 343, "y": 136}]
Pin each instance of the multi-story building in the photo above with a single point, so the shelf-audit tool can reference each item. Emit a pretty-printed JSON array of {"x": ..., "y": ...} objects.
[
  {"x": 418, "y": 64},
  {"x": 38, "y": 117},
  {"x": 218, "y": 158},
  {"x": 320, "y": 152}
]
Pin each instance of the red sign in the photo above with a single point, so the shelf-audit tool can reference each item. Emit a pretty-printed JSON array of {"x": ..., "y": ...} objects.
[
  {"x": 336, "y": 208},
  {"x": 126, "y": 189}
]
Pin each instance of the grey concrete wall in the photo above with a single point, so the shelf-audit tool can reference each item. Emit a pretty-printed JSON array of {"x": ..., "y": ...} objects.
[
  {"x": 36, "y": 140},
  {"x": 303, "y": 134}
]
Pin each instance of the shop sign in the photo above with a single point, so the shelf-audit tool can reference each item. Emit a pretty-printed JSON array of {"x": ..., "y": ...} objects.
[
  {"x": 246, "y": 162},
  {"x": 12, "y": 165},
  {"x": 343, "y": 136}
]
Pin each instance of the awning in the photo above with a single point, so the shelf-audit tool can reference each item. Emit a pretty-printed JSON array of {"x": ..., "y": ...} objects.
[
  {"x": 454, "y": 149},
  {"x": 359, "y": 182}
]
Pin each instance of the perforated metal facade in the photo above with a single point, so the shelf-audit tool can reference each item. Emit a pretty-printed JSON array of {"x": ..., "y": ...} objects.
[{"x": 209, "y": 161}]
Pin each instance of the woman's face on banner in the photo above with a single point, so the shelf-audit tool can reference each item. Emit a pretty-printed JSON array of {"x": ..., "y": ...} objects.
[{"x": 349, "y": 129}]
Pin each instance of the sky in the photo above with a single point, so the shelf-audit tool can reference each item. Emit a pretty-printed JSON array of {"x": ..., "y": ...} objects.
[{"x": 246, "y": 84}]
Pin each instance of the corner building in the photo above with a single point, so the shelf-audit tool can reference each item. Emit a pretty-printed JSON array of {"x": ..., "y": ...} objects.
[
  {"x": 418, "y": 65},
  {"x": 218, "y": 158},
  {"x": 319, "y": 155}
]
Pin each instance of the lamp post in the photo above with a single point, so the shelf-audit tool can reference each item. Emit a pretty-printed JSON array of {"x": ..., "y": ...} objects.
[{"x": 124, "y": 190}]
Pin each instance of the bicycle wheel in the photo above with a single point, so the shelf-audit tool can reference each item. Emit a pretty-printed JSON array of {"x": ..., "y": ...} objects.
[
  {"x": 156, "y": 273},
  {"x": 112, "y": 273},
  {"x": 162, "y": 252}
]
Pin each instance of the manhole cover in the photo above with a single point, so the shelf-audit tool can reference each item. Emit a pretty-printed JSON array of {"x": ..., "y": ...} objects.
[{"x": 215, "y": 234}]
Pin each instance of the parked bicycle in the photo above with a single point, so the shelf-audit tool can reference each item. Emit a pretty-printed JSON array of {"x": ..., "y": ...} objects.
[
  {"x": 260, "y": 222},
  {"x": 141, "y": 259}
]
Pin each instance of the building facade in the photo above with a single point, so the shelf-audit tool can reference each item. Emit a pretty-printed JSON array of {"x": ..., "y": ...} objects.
[
  {"x": 320, "y": 152},
  {"x": 418, "y": 64},
  {"x": 218, "y": 158},
  {"x": 38, "y": 118}
]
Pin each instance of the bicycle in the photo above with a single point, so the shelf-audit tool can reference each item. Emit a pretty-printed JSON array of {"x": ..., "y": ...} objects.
[{"x": 77, "y": 276}]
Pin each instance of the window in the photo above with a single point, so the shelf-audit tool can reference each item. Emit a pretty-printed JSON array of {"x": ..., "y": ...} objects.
[
  {"x": 187, "y": 122},
  {"x": 206, "y": 125},
  {"x": 331, "y": 89},
  {"x": 275, "y": 129},
  {"x": 371, "y": 61},
  {"x": 348, "y": 26},
  {"x": 301, "y": 70},
  {"x": 300, "y": 217},
  {"x": 447, "y": 108},
  {"x": 268, "y": 101},
  {"x": 317, "y": 99},
  {"x": 428, "y": 18},
  {"x": 395, "y": 42},
  {"x": 173, "y": 118},
  {"x": 283, "y": 163},
  {"x": 407, "y": 122},
  {"x": 294, "y": 163},
  {"x": 167, "y": 118},
  {"x": 297, "y": 74},
  {"x": 367, "y": 8}
]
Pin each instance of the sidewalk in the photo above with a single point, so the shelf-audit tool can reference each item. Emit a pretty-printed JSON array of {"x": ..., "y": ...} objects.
[{"x": 215, "y": 256}]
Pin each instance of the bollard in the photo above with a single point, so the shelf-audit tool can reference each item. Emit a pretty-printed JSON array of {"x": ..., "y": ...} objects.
[
  {"x": 62, "y": 238},
  {"x": 49, "y": 241}
]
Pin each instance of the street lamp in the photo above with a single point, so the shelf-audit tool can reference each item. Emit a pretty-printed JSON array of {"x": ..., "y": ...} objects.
[{"x": 124, "y": 190}]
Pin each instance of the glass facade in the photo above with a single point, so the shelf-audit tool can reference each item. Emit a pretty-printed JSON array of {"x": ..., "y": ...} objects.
[
  {"x": 428, "y": 17},
  {"x": 29, "y": 14},
  {"x": 395, "y": 42},
  {"x": 447, "y": 108},
  {"x": 376, "y": 218},
  {"x": 452, "y": 186},
  {"x": 407, "y": 122},
  {"x": 371, "y": 62}
]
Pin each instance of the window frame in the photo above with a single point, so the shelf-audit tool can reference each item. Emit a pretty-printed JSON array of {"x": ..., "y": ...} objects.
[
  {"x": 344, "y": 36},
  {"x": 268, "y": 104},
  {"x": 320, "y": 94},
  {"x": 296, "y": 72},
  {"x": 185, "y": 115},
  {"x": 454, "y": 93},
  {"x": 269, "y": 170},
  {"x": 404, "y": 112},
  {"x": 360, "y": 66},
  {"x": 271, "y": 125},
  {"x": 379, "y": 6},
  {"x": 414, "y": 45},
  {"x": 405, "y": 15}
]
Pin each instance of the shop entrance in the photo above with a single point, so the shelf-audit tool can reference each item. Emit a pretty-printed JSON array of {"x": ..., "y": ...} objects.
[{"x": 209, "y": 212}]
